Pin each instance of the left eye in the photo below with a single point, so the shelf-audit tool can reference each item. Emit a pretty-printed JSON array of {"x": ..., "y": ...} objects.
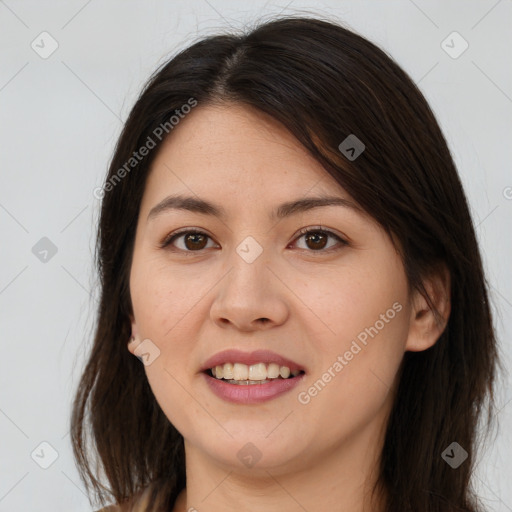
[
  {"x": 194, "y": 241},
  {"x": 319, "y": 238}
]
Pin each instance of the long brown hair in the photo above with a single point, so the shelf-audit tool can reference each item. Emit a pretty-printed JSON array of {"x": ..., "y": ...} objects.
[{"x": 323, "y": 82}]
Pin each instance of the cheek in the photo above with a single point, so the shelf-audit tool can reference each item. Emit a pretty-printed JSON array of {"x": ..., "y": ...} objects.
[
  {"x": 161, "y": 299},
  {"x": 360, "y": 353},
  {"x": 355, "y": 380},
  {"x": 171, "y": 308},
  {"x": 354, "y": 302},
  {"x": 166, "y": 306}
]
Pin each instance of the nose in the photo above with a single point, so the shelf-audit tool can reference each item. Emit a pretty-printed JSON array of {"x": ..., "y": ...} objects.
[{"x": 250, "y": 296}]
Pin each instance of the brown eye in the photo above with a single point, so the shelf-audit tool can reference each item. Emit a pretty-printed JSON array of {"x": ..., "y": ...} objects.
[
  {"x": 196, "y": 241},
  {"x": 193, "y": 241},
  {"x": 317, "y": 239}
]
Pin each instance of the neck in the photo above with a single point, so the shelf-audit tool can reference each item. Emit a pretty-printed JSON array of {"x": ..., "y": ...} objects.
[{"x": 339, "y": 479}]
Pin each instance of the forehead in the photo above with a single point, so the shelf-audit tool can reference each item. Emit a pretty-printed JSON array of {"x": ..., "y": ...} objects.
[{"x": 233, "y": 149}]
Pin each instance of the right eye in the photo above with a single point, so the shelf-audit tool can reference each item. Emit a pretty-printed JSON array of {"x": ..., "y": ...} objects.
[{"x": 193, "y": 241}]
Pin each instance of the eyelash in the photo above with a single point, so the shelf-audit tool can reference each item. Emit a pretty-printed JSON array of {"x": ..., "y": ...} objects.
[{"x": 169, "y": 239}]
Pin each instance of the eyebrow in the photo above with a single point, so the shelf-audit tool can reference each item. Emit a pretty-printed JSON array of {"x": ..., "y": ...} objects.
[{"x": 203, "y": 207}]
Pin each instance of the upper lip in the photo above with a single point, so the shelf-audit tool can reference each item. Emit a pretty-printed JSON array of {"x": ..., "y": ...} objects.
[{"x": 249, "y": 358}]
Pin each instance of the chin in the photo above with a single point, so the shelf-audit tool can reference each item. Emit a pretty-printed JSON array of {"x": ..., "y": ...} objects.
[{"x": 252, "y": 452}]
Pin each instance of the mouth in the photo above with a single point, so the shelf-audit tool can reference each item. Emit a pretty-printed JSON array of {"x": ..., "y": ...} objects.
[
  {"x": 248, "y": 375},
  {"x": 247, "y": 378}
]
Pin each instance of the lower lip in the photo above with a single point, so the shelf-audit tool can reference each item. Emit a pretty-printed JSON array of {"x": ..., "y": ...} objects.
[{"x": 251, "y": 393}]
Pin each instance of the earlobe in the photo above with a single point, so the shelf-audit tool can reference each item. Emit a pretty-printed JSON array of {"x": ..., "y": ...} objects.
[
  {"x": 132, "y": 342},
  {"x": 430, "y": 318}
]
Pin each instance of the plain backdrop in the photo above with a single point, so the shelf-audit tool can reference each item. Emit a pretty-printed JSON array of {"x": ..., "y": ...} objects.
[{"x": 60, "y": 116}]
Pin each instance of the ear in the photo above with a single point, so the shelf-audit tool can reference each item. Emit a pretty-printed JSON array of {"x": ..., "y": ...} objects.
[
  {"x": 134, "y": 340},
  {"x": 426, "y": 326}
]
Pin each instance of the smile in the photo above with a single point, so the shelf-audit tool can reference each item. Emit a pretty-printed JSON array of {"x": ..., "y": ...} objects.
[
  {"x": 250, "y": 377},
  {"x": 259, "y": 373}
]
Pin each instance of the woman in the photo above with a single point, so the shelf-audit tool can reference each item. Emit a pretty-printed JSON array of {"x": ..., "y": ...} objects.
[{"x": 286, "y": 248}]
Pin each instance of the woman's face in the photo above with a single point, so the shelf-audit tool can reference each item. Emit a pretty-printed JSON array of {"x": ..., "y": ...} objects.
[{"x": 337, "y": 308}]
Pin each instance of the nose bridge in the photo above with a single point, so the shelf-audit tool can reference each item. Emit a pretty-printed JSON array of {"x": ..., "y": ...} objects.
[
  {"x": 247, "y": 293},
  {"x": 250, "y": 262},
  {"x": 250, "y": 250}
]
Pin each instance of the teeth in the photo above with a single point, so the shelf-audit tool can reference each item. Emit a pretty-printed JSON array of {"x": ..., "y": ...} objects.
[
  {"x": 257, "y": 371},
  {"x": 284, "y": 371},
  {"x": 228, "y": 371},
  {"x": 240, "y": 371},
  {"x": 273, "y": 371},
  {"x": 254, "y": 374}
]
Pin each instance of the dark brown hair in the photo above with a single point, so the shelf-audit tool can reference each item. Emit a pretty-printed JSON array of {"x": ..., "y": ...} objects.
[{"x": 323, "y": 82}]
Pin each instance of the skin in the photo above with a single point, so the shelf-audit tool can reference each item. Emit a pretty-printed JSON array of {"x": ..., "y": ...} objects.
[{"x": 321, "y": 455}]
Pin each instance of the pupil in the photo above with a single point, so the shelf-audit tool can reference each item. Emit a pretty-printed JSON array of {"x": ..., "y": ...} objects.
[
  {"x": 191, "y": 238},
  {"x": 316, "y": 235}
]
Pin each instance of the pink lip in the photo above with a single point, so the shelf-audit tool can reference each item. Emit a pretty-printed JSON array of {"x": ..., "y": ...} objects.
[
  {"x": 251, "y": 393},
  {"x": 248, "y": 358}
]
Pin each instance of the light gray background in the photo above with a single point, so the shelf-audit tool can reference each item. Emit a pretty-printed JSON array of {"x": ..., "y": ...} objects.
[{"x": 60, "y": 118}]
